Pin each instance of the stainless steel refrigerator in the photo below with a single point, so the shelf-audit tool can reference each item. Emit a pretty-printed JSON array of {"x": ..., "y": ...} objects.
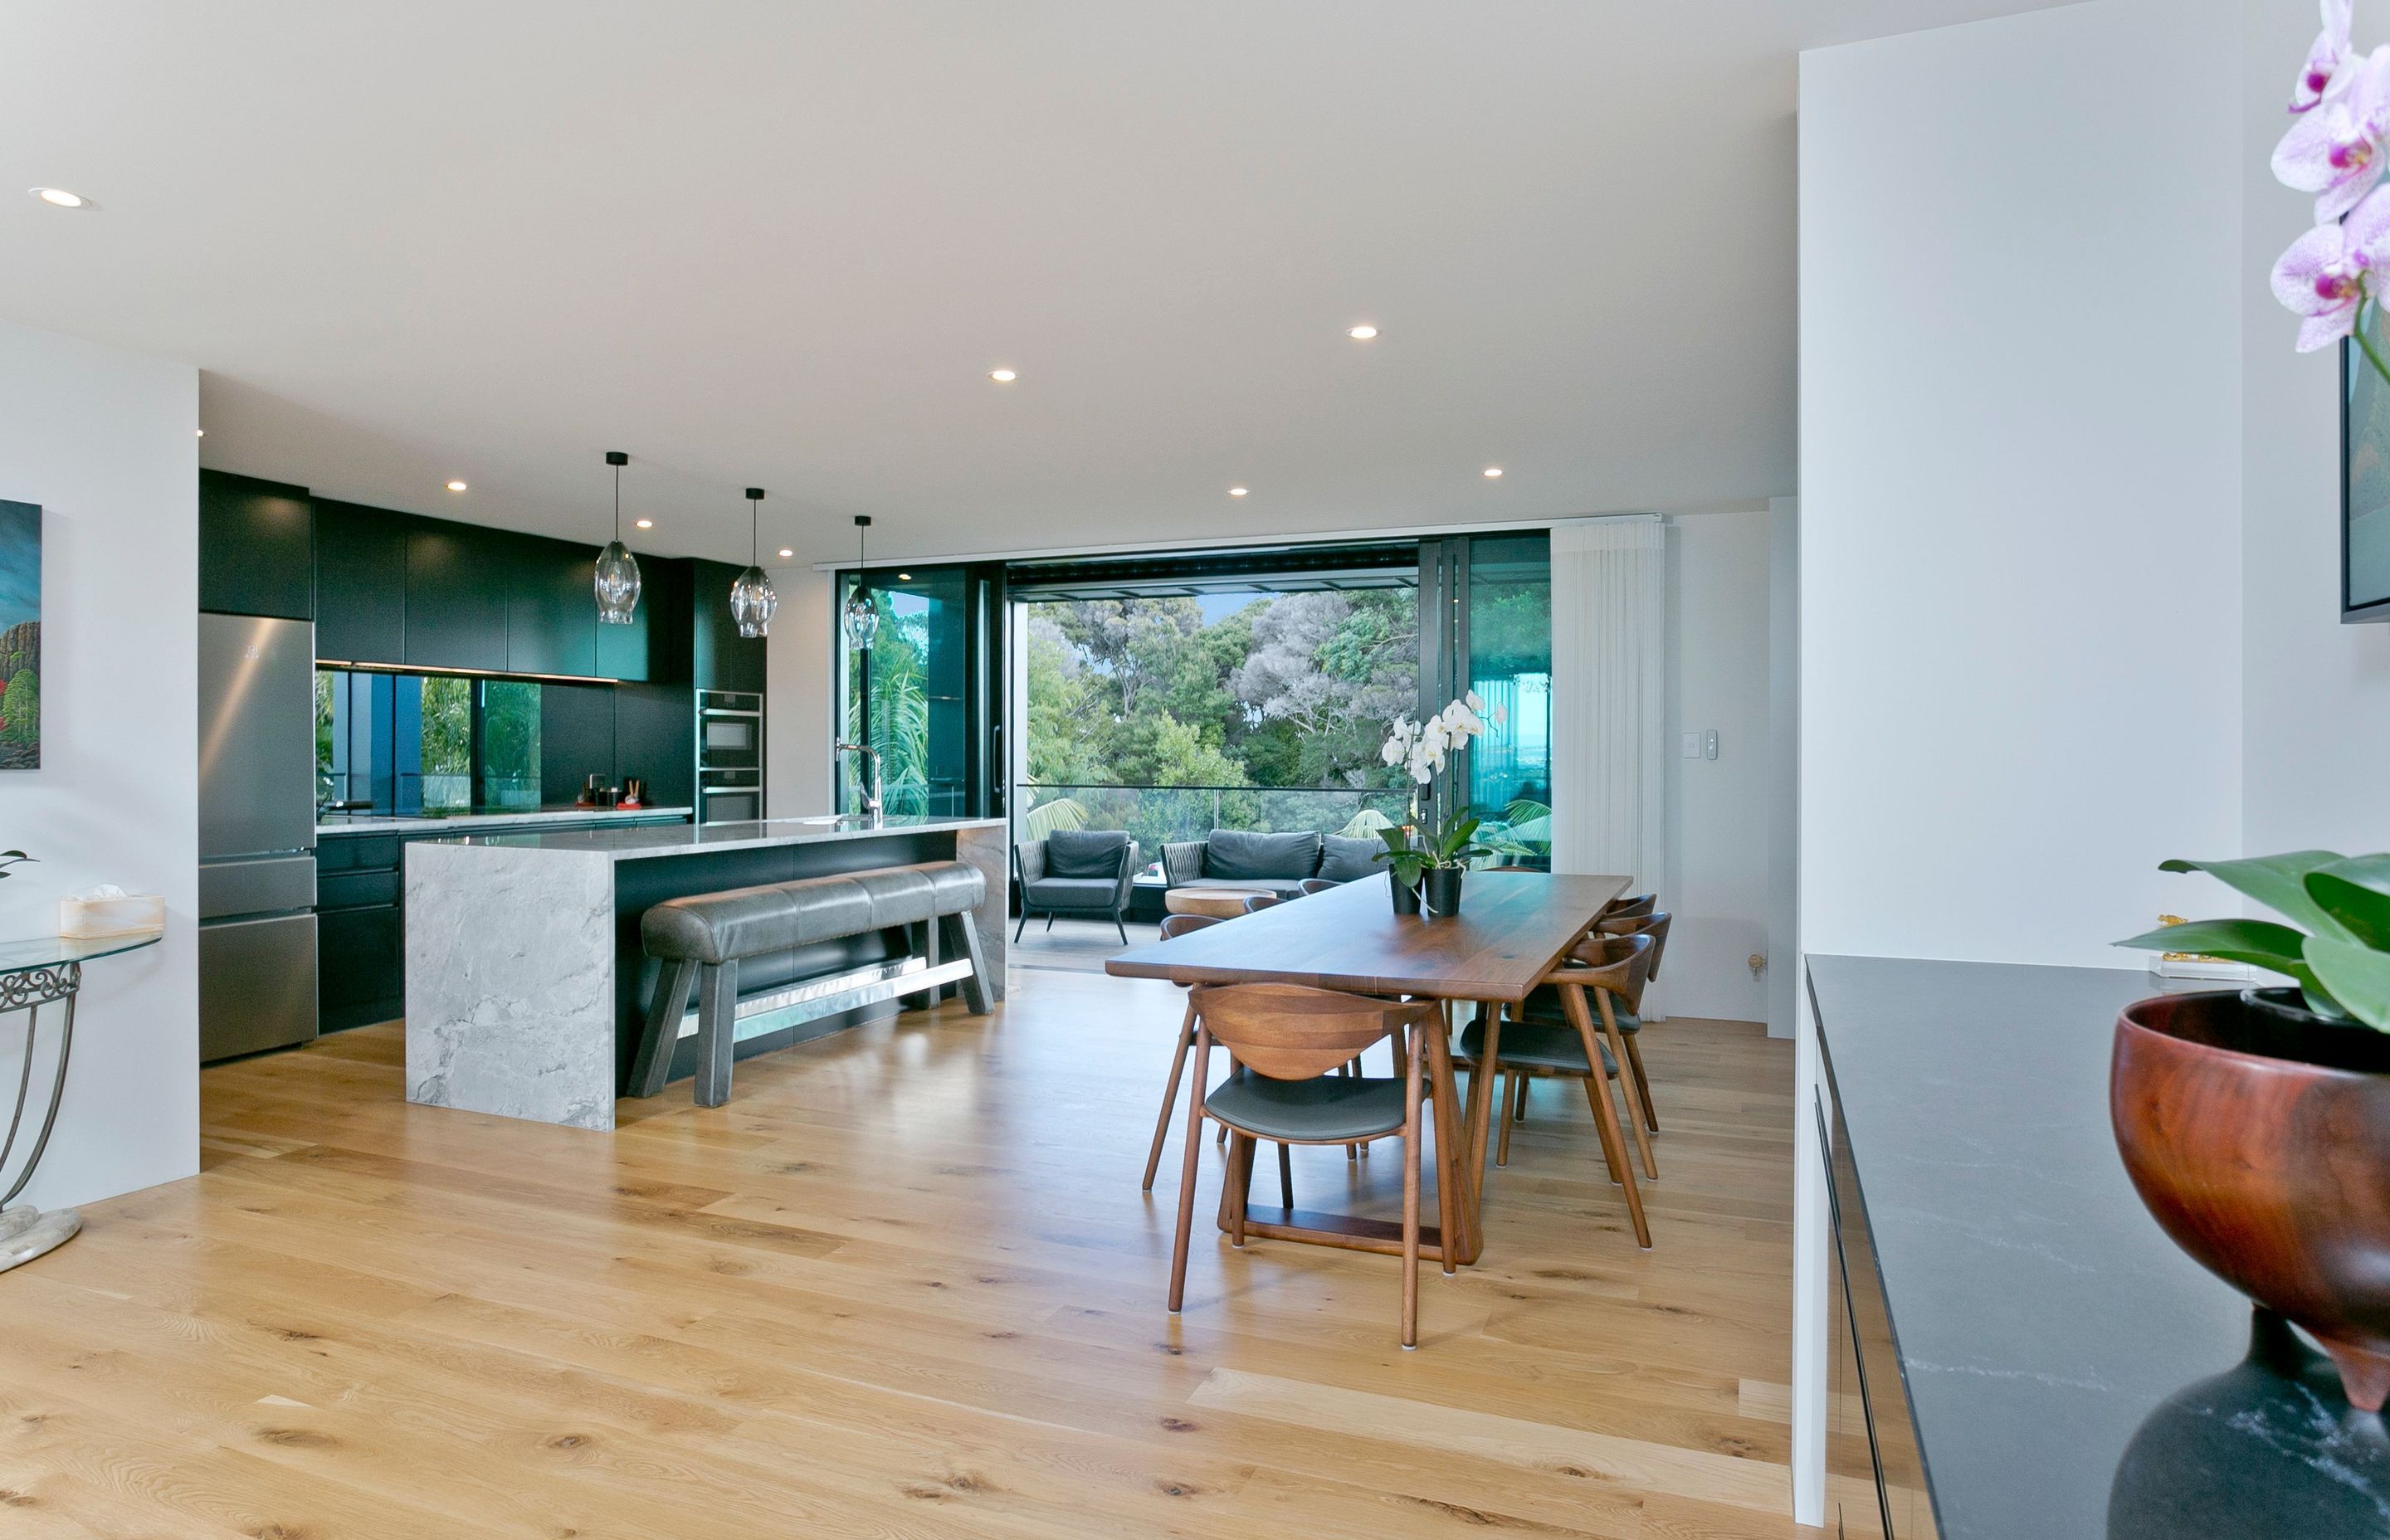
[{"x": 257, "y": 834}]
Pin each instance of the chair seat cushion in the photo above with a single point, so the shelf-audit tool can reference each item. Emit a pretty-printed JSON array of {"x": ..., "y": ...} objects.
[
  {"x": 1084, "y": 853},
  {"x": 1282, "y": 887},
  {"x": 1330, "y": 1110},
  {"x": 1536, "y": 1046},
  {"x": 1073, "y": 892}
]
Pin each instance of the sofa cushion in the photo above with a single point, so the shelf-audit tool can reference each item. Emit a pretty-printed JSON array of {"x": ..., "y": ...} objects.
[
  {"x": 1236, "y": 853},
  {"x": 1343, "y": 860},
  {"x": 1084, "y": 853},
  {"x": 1074, "y": 892}
]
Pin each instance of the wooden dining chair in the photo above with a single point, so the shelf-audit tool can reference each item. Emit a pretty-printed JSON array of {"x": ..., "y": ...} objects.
[
  {"x": 1630, "y": 1021},
  {"x": 1554, "y": 1036},
  {"x": 1641, "y": 904},
  {"x": 1259, "y": 902},
  {"x": 1293, "y": 1042},
  {"x": 1318, "y": 885}
]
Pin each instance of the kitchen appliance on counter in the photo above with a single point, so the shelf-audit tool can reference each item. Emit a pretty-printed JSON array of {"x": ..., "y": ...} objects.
[
  {"x": 729, "y": 756},
  {"x": 257, "y": 834}
]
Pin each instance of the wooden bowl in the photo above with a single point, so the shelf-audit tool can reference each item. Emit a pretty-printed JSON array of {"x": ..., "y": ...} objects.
[{"x": 2260, "y": 1141}]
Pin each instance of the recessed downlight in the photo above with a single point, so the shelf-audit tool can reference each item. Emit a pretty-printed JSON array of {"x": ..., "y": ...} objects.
[
  {"x": 1493, "y": 472},
  {"x": 456, "y": 486},
  {"x": 1236, "y": 492},
  {"x": 786, "y": 552},
  {"x": 59, "y": 197},
  {"x": 643, "y": 523},
  {"x": 1002, "y": 377},
  {"x": 200, "y": 433},
  {"x": 904, "y": 577},
  {"x": 1362, "y": 333}
]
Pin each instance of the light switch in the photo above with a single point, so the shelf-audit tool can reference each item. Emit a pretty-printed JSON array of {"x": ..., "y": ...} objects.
[
  {"x": 1709, "y": 744},
  {"x": 1693, "y": 745}
]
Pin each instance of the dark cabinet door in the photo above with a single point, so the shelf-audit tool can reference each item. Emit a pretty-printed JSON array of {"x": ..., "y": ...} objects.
[
  {"x": 361, "y": 968},
  {"x": 360, "y": 583},
  {"x": 622, "y": 651},
  {"x": 257, "y": 551},
  {"x": 724, "y": 660},
  {"x": 456, "y": 582},
  {"x": 551, "y": 606}
]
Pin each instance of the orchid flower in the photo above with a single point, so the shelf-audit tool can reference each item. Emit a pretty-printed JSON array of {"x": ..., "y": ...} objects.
[
  {"x": 2326, "y": 60},
  {"x": 2336, "y": 151},
  {"x": 2325, "y": 275}
]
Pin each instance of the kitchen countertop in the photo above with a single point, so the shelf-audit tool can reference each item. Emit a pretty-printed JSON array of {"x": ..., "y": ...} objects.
[
  {"x": 390, "y": 823},
  {"x": 2071, "y": 1372},
  {"x": 631, "y": 844}
]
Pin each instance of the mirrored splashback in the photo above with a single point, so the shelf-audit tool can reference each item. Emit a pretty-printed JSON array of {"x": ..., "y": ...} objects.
[{"x": 413, "y": 743}]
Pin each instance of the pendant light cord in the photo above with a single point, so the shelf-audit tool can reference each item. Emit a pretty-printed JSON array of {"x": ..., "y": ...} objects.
[{"x": 618, "y": 504}]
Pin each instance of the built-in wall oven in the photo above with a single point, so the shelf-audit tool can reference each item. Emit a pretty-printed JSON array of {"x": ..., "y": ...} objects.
[{"x": 729, "y": 756}]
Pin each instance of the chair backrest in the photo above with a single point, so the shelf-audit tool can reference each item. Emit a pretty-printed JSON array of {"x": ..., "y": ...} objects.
[
  {"x": 1620, "y": 965},
  {"x": 1291, "y": 1031},
  {"x": 1259, "y": 902},
  {"x": 1318, "y": 885},
  {"x": 1178, "y": 925},
  {"x": 1625, "y": 908},
  {"x": 1653, "y": 925}
]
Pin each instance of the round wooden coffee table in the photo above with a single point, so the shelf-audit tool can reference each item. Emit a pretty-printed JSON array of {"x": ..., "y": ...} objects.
[{"x": 1216, "y": 903}]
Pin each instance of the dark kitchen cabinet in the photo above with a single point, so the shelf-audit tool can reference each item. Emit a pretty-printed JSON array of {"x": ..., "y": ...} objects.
[
  {"x": 360, "y": 939},
  {"x": 722, "y": 659},
  {"x": 360, "y": 583},
  {"x": 456, "y": 597},
  {"x": 551, "y": 606},
  {"x": 626, "y": 652},
  {"x": 257, "y": 551}
]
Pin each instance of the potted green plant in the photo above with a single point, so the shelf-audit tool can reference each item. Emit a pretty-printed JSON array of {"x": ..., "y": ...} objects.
[
  {"x": 1428, "y": 859},
  {"x": 2255, "y": 1124}
]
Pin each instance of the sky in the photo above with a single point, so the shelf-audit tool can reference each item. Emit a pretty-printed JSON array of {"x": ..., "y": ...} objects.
[{"x": 21, "y": 563}]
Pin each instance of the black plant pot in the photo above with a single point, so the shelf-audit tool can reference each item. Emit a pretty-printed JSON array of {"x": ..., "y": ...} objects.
[
  {"x": 1405, "y": 896},
  {"x": 1441, "y": 889}
]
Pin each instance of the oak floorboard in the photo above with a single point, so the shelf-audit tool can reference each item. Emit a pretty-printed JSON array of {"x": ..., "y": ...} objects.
[{"x": 903, "y": 1286}]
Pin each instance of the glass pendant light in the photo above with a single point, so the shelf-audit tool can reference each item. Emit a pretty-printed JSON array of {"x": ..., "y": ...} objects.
[
  {"x": 618, "y": 570},
  {"x": 751, "y": 600},
  {"x": 862, "y": 617}
]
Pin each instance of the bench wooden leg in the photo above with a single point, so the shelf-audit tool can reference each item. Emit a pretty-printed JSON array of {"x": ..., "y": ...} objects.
[
  {"x": 717, "y": 1031},
  {"x": 963, "y": 936},
  {"x": 670, "y": 1003}
]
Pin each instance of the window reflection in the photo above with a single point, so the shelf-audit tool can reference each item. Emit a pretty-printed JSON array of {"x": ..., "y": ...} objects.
[{"x": 411, "y": 743}]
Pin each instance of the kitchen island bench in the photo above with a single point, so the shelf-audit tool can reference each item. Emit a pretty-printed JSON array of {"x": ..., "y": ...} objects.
[{"x": 526, "y": 983}]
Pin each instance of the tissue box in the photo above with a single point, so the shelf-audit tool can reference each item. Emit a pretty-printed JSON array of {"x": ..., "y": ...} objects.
[{"x": 84, "y": 918}]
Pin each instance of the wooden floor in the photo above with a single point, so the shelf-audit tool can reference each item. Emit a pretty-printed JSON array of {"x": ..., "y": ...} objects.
[{"x": 904, "y": 1285}]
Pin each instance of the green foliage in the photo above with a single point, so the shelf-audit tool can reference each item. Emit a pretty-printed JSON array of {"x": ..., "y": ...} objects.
[
  {"x": 9, "y": 858},
  {"x": 1045, "y": 817},
  {"x": 2342, "y": 962}
]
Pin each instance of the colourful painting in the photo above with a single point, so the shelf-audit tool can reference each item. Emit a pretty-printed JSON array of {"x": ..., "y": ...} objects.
[{"x": 20, "y": 636}]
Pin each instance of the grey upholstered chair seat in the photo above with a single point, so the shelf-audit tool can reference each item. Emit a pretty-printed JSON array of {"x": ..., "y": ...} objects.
[
  {"x": 1073, "y": 892},
  {"x": 1330, "y": 1110},
  {"x": 1536, "y": 1045},
  {"x": 744, "y": 922}
]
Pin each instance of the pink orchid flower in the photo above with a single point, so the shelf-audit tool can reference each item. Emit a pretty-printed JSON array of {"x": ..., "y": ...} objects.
[
  {"x": 2325, "y": 275},
  {"x": 2325, "y": 61},
  {"x": 2336, "y": 150}
]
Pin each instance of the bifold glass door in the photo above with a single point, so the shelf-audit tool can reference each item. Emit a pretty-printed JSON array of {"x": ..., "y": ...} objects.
[
  {"x": 921, "y": 696},
  {"x": 1485, "y": 614}
]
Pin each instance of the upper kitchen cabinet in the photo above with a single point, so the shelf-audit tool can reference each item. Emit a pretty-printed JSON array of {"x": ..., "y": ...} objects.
[
  {"x": 551, "y": 606},
  {"x": 627, "y": 651},
  {"x": 257, "y": 554},
  {"x": 456, "y": 597},
  {"x": 722, "y": 659},
  {"x": 360, "y": 583}
]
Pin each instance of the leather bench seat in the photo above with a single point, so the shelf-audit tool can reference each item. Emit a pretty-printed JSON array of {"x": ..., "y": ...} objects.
[{"x": 746, "y": 922}]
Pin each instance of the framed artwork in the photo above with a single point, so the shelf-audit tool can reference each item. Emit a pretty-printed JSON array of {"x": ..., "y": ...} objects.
[{"x": 20, "y": 636}]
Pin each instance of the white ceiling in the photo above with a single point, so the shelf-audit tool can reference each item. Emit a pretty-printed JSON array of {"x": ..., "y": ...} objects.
[{"x": 783, "y": 245}]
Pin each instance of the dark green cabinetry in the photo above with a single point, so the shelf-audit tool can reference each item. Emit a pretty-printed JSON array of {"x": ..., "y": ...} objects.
[
  {"x": 721, "y": 660},
  {"x": 551, "y": 606},
  {"x": 360, "y": 583},
  {"x": 455, "y": 597},
  {"x": 257, "y": 554}
]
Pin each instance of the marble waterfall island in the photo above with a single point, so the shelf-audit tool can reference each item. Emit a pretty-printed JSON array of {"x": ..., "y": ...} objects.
[{"x": 526, "y": 984}]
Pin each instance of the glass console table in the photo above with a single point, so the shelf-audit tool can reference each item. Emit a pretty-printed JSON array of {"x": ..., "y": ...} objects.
[{"x": 44, "y": 972}]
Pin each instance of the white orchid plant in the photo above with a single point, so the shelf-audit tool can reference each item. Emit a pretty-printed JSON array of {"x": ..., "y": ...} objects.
[
  {"x": 1424, "y": 750},
  {"x": 2338, "y": 149}
]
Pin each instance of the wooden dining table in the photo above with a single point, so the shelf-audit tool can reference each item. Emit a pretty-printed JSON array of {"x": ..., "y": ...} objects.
[{"x": 1513, "y": 928}]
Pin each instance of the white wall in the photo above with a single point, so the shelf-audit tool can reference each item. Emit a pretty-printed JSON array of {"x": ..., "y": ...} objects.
[
  {"x": 2317, "y": 693},
  {"x": 2021, "y": 473},
  {"x": 1718, "y": 809},
  {"x": 797, "y": 720},
  {"x": 104, "y": 440}
]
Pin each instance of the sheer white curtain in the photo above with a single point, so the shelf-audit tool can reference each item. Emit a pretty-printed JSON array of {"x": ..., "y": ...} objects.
[{"x": 1609, "y": 709}]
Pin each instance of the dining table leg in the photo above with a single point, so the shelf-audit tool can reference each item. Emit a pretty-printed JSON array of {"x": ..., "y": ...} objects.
[
  {"x": 1484, "y": 1085},
  {"x": 1450, "y": 1133}
]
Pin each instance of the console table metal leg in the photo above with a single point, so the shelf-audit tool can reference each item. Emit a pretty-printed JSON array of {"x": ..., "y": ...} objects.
[{"x": 26, "y": 1232}]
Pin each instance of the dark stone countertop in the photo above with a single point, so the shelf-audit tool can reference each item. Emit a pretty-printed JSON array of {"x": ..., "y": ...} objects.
[{"x": 2070, "y": 1372}]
